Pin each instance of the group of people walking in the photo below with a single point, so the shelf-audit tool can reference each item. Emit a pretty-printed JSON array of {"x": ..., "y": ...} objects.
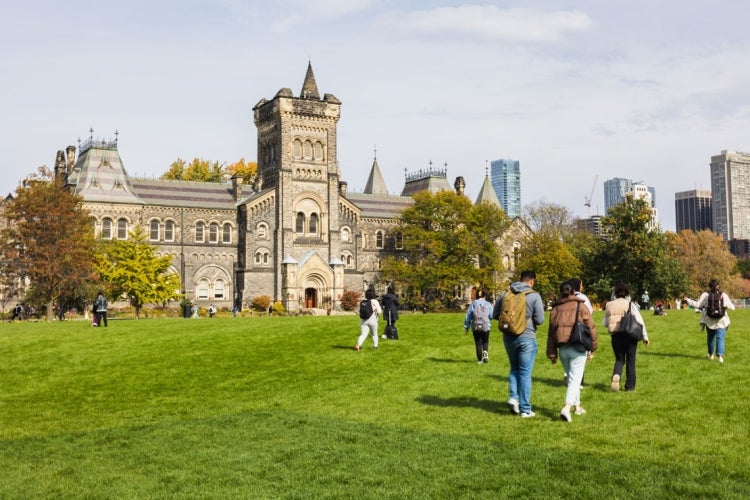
[
  {"x": 368, "y": 322},
  {"x": 574, "y": 307}
]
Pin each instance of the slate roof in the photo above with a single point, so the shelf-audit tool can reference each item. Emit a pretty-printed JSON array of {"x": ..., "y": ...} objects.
[
  {"x": 184, "y": 194},
  {"x": 380, "y": 206}
]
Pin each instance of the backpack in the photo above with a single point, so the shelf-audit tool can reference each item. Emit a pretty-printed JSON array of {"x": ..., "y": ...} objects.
[
  {"x": 481, "y": 323},
  {"x": 512, "y": 317},
  {"x": 715, "y": 305},
  {"x": 365, "y": 309}
]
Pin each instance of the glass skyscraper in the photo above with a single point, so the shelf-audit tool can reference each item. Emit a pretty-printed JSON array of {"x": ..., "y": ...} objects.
[
  {"x": 505, "y": 176},
  {"x": 730, "y": 187},
  {"x": 692, "y": 210}
]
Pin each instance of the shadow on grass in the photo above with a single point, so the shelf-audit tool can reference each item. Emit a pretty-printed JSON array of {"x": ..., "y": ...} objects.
[
  {"x": 646, "y": 352},
  {"x": 492, "y": 406},
  {"x": 452, "y": 360}
]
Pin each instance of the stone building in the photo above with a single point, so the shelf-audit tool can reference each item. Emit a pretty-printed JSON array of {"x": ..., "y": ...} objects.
[{"x": 296, "y": 235}]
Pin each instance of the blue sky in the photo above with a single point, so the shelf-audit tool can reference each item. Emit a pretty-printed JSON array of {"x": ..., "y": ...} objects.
[{"x": 643, "y": 89}]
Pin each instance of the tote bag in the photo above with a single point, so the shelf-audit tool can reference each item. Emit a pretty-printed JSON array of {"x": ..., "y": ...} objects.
[{"x": 630, "y": 326}]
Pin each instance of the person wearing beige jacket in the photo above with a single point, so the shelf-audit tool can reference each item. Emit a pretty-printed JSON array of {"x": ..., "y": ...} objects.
[{"x": 624, "y": 347}]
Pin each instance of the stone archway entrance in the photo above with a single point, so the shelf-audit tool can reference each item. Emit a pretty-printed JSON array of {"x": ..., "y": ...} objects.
[{"x": 311, "y": 298}]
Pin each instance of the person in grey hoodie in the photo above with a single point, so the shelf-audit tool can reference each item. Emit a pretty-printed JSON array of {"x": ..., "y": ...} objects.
[{"x": 522, "y": 348}]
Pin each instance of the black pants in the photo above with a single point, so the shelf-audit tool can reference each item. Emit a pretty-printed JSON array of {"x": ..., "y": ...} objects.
[
  {"x": 482, "y": 342},
  {"x": 102, "y": 317},
  {"x": 625, "y": 350}
]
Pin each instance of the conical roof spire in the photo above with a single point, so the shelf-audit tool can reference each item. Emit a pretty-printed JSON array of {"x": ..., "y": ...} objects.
[
  {"x": 487, "y": 193},
  {"x": 375, "y": 183},
  {"x": 309, "y": 88}
]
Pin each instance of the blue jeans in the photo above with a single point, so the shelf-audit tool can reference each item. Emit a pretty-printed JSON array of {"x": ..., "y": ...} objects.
[
  {"x": 574, "y": 364},
  {"x": 521, "y": 354},
  {"x": 717, "y": 335}
]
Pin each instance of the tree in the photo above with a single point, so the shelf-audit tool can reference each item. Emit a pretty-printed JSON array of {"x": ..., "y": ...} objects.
[
  {"x": 246, "y": 170},
  {"x": 448, "y": 242},
  {"x": 547, "y": 217},
  {"x": 131, "y": 268},
  {"x": 704, "y": 256},
  {"x": 633, "y": 252},
  {"x": 48, "y": 241},
  {"x": 551, "y": 259},
  {"x": 197, "y": 170}
]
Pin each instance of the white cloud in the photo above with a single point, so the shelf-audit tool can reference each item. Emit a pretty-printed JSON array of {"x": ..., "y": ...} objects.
[{"x": 493, "y": 23}]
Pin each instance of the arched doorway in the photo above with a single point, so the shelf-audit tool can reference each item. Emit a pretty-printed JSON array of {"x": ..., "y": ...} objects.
[{"x": 311, "y": 298}]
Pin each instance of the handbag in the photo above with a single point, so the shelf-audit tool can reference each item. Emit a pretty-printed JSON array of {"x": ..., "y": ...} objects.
[
  {"x": 580, "y": 335},
  {"x": 630, "y": 326}
]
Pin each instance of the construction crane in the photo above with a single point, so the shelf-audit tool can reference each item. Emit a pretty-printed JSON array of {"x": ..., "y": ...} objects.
[{"x": 590, "y": 196}]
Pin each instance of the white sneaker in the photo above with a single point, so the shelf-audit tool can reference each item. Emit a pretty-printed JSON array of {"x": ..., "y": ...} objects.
[
  {"x": 528, "y": 415},
  {"x": 710, "y": 356},
  {"x": 721, "y": 359},
  {"x": 615, "y": 383},
  {"x": 383, "y": 336},
  {"x": 565, "y": 415},
  {"x": 485, "y": 356},
  {"x": 580, "y": 411},
  {"x": 514, "y": 408}
]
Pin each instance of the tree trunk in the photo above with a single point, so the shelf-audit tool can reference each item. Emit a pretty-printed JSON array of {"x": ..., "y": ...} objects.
[{"x": 50, "y": 310}]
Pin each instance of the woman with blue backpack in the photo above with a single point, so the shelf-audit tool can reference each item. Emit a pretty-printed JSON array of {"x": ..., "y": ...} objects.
[{"x": 478, "y": 319}]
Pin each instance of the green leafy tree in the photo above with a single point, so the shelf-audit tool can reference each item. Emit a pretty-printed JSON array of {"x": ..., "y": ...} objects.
[
  {"x": 551, "y": 259},
  {"x": 633, "y": 251},
  {"x": 48, "y": 241},
  {"x": 197, "y": 170},
  {"x": 448, "y": 242},
  {"x": 131, "y": 268}
]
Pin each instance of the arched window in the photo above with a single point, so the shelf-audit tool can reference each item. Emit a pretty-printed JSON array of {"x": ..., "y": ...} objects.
[
  {"x": 346, "y": 234},
  {"x": 200, "y": 232},
  {"x": 122, "y": 229},
  {"x": 318, "y": 151},
  {"x": 107, "y": 228},
  {"x": 349, "y": 261},
  {"x": 169, "y": 231},
  {"x": 379, "y": 239},
  {"x": 399, "y": 240},
  {"x": 202, "y": 289},
  {"x": 297, "y": 149},
  {"x": 219, "y": 289},
  {"x": 308, "y": 150},
  {"x": 154, "y": 230},
  {"x": 314, "y": 223},
  {"x": 265, "y": 258},
  {"x": 300, "y": 224},
  {"x": 262, "y": 232},
  {"x": 258, "y": 257},
  {"x": 213, "y": 233},
  {"x": 226, "y": 233}
]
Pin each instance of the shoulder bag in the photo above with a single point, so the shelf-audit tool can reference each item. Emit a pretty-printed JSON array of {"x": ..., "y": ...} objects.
[
  {"x": 630, "y": 326},
  {"x": 580, "y": 335}
]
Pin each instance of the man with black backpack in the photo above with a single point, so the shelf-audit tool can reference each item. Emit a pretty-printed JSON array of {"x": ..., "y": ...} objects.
[
  {"x": 369, "y": 309},
  {"x": 714, "y": 303}
]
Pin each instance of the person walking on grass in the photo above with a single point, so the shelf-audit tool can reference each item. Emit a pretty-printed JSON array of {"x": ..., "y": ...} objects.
[
  {"x": 623, "y": 345},
  {"x": 522, "y": 348},
  {"x": 369, "y": 309},
  {"x": 566, "y": 312},
  {"x": 478, "y": 319},
  {"x": 715, "y": 319},
  {"x": 577, "y": 285},
  {"x": 100, "y": 309},
  {"x": 390, "y": 308}
]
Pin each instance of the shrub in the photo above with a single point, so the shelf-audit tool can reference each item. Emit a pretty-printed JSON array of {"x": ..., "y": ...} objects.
[
  {"x": 350, "y": 300},
  {"x": 278, "y": 308},
  {"x": 261, "y": 303}
]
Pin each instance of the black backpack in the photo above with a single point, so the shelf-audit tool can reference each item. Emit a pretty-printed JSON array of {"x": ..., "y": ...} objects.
[
  {"x": 365, "y": 309},
  {"x": 715, "y": 305}
]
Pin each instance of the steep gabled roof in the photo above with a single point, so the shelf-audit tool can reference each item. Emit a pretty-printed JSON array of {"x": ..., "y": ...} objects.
[
  {"x": 99, "y": 175},
  {"x": 309, "y": 87},
  {"x": 487, "y": 193},
  {"x": 375, "y": 183}
]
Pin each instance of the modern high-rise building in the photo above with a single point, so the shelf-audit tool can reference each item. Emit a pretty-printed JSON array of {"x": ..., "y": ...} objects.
[
  {"x": 692, "y": 210},
  {"x": 730, "y": 187},
  {"x": 505, "y": 176},
  {"x": 616, "y": 189}
]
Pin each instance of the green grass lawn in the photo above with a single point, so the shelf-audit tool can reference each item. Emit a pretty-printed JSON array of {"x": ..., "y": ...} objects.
[{"x": 283, "y": 407}]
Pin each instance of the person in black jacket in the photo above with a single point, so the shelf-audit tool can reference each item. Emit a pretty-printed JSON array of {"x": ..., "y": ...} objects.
[{"x": 390, "y": 307}]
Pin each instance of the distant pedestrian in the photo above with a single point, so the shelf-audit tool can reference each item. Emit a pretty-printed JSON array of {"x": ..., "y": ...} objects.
[
  {"x": 211, "y": 311},
  {"x": 645, "y": 301},
  {"x": 100, "y": 309},
  {"x": 368, "y": 323},
  {"x": 390, "y": 309},
  {"x": 478, "y": 319},
  {"x": 195, "y": 311},
  {"x": 714, "y": 304}
]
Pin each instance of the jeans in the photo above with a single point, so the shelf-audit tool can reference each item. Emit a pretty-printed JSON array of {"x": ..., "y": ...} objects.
[
  {"x": 574, "y": 364},
  {"x": 717, "y": 335},
  {"x": 521, "y": 351}
]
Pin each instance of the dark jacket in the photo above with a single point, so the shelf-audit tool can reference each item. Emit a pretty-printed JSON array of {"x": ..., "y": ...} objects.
[
  {"x": 390, "y": 305},
  {"x": 561, "y": 321}
]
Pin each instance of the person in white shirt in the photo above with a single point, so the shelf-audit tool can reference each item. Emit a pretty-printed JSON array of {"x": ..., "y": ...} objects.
[
  {"x": 716, "y": 324},
  {"x": 369, "y": 325}
]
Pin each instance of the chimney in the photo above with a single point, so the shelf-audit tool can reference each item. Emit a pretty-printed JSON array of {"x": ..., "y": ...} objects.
[
  {"x": 60, "y": 167},
  {"x": 71, "y": 157},
  {"x": 237, "y": 186},
  {"x": 342, "y": 188}
]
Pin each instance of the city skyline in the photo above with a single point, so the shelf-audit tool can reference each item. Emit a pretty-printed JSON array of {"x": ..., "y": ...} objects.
[{"x": 572, "y": 90}]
